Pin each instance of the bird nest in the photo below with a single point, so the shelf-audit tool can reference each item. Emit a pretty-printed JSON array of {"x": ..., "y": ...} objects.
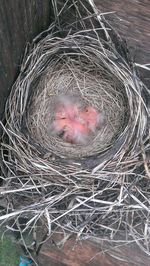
[
  {"x": 96, "y": 190},
  {"x": 78, "y": 77}
]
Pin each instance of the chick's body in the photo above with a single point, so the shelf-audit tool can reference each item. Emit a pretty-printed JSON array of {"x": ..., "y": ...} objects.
[
  {"x": 76, "y": 132},
  {"x": 66, "y": 108},
  {"x": 91, "y": 118},
  {"x": 74, "y": 123}
]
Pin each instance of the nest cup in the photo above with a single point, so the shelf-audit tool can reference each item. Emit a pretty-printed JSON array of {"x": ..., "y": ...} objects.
[
  {"x": 77, "y": 74},
  {"x": 86, "y": 189}
]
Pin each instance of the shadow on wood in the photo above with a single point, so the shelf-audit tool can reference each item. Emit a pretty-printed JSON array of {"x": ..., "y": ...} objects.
[
  {"x": 20, "y": 22},
  {"x": 132, "y": 20}
]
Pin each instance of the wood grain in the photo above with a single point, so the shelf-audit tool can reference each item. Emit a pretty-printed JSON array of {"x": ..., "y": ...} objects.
[
  {"x": 132, "y": 20},
  {"x": 88, "y": 253},
  {"x": 82, "y": 254},
  {"x": 20, "y": 22}
]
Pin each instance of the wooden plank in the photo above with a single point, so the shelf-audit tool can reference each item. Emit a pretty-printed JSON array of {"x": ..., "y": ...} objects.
[
  {"x": 132, "y": 20},
  {"x": 81, "y": 254},
  {"x": 86, "y": 253},
  {"x": 20, "y": 22}
]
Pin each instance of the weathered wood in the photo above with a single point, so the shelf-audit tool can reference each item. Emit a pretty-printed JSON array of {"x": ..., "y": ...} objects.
[
  {"x": 132, "y": 20},
  {"x": 20, "y": 22},
  {"x": 88, "y": 253}
]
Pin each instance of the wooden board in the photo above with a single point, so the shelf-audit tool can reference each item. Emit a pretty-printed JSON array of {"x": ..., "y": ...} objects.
[
  {"x": 88, "y": 253},
  {"x": 20, "y": 22},
  {"x": 132, "y": 20}
]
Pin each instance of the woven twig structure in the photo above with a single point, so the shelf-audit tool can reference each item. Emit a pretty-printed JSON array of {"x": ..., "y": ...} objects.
[{"x": 98, "y": 190}]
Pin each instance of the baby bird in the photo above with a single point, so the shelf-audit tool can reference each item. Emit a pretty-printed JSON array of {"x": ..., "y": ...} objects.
[
  {"x": 76, "y": 133},
  {"x": 71, "y": 131},
  {"x": 73, "y": 123},
  {"x": 58, "y": 126},
  {"x": 91, "y": 118},
  {"x": 66, "y": 107}
]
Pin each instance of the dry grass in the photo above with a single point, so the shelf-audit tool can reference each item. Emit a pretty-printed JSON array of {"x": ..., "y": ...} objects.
[{"x": 99, "y": 190}]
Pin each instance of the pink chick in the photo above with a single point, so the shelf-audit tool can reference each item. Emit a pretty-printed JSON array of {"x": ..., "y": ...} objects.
[
  {"x": 58, "y": 126},
  {"x": 91, "y": 117},
  {"x": 73, "y": 123},
  {"x": 76, "y": 133},
  {"x": 66, "y": 108}
]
